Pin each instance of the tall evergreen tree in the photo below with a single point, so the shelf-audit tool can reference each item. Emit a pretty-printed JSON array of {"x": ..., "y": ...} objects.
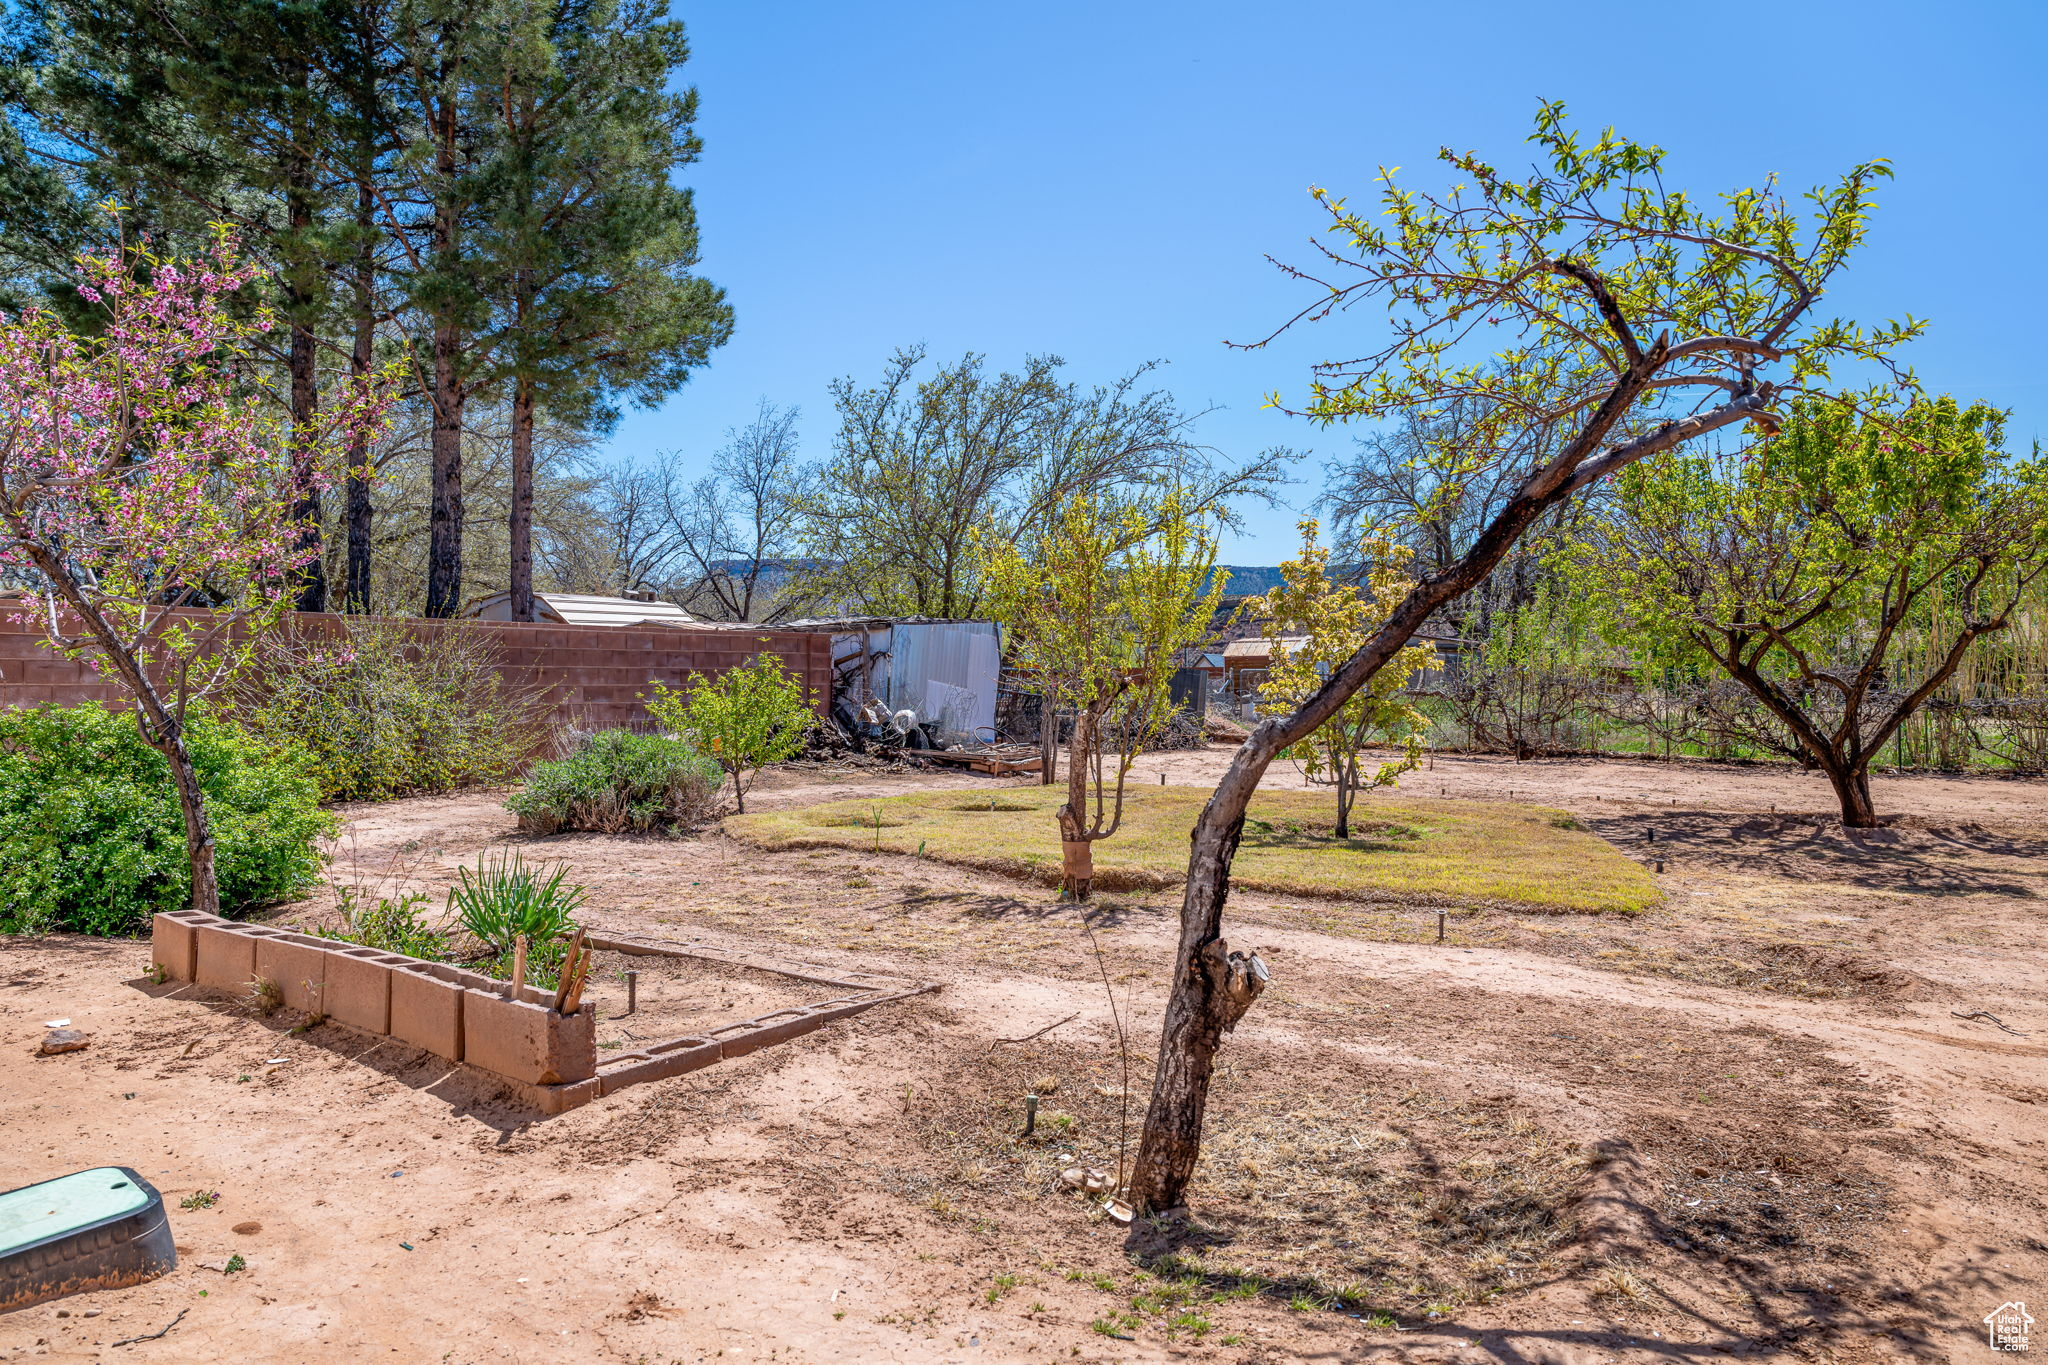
[
  {"x": 591, "y": 244},
  {"x": 483, "y": 182},
  {"x": 438, "y": 44},
  {"x": 193, "y": 112}
]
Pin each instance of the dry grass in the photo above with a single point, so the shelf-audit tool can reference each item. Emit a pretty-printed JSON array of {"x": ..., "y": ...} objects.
[
  {"x": 1463, "y": 851},
  {"x": 1321, "y": 1189}
]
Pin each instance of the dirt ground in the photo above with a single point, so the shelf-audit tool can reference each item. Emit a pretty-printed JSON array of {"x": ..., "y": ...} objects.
[{"x": 1750, "y": 1123}]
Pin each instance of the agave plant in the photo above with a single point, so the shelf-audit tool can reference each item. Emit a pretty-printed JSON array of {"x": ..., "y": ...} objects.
[{"x": 504, "y": 898}]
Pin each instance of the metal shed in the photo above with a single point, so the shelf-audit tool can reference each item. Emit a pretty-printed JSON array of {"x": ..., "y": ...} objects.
[{"x": 945, "y": 671}]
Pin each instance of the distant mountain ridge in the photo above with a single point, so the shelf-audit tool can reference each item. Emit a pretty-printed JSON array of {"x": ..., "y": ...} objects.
[{"x": 1249, "y": 580}]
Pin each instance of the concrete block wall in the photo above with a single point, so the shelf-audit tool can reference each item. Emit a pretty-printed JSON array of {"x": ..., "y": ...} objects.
[
  {"x": 460, "y": 1015},
  {"x": 588, "y": 677}
]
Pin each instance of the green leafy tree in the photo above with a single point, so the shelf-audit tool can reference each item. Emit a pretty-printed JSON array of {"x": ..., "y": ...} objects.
[
  {"x": 1589, "y": 301},
  {"x": 1318, "y": 623},
  {"x": 745, "y": 719},
  {"x": 1839, "y": 570},
  {"x": 1099, "y": 608}
]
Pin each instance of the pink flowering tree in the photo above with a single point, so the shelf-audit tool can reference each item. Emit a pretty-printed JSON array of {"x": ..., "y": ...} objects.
[{"x": 146, "y": 488}]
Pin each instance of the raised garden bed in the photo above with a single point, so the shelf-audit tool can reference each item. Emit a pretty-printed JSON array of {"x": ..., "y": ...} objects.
[{"x": 519, "y": 1036}]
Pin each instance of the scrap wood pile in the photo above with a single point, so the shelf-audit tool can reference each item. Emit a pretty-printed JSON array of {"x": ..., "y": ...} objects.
[{"x": 1222, "y": 730}]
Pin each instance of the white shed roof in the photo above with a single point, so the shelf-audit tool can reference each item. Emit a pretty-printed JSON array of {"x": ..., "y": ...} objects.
[{"x": 582, "y": 609}]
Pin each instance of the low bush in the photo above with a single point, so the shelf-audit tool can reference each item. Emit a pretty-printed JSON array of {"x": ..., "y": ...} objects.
[
  {"x": 619, "y": 782},
  {"x": 91, "y": 838},
  {"x": 390, "y": 712},
  {"x": 391, "y": 926},
  {"x": 490, "y": 907}
]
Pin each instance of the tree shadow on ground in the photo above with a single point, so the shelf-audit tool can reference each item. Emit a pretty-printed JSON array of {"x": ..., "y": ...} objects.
[
  {"x": 1759, "y": 1299},
  {"x": 996, "y": 908},
  {"x": 1920, "y": 859}
]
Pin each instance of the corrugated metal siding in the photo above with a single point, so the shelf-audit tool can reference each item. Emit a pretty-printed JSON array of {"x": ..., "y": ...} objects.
[{"x": 946, "y": 672}]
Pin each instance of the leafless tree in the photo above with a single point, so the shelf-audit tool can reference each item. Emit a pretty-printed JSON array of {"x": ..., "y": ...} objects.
[
  {"x": 921, "y": 463},
  {"x": 735, "y": 531}
]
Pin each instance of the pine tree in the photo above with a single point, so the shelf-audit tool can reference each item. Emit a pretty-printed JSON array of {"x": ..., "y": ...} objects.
[
  {"x": 591, "y": 245},
  {"x": 192, "y": 112}
]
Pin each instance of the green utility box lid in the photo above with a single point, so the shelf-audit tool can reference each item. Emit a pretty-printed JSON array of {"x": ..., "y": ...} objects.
[{"x": 68, "y": 1204}]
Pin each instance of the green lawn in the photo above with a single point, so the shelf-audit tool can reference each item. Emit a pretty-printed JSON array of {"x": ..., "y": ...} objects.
[{"x": 1433, "y": 849}]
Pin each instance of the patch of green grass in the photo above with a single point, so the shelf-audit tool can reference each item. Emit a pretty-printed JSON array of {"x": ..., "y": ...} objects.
[{"x": 1532, "y": 856}]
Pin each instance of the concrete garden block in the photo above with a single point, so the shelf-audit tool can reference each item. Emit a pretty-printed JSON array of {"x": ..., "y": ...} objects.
[
  {"x": 524, "y": 1042},
  {"x": 224, "y": 959},
  {"x": 174, "y": 947},
  {"x": 737, "y": 1040},
  {"x": 676, "y": 1058},
  {"x": 298, "y": 970},
  {"x": 560, "y": 1099},
  {"x": 455, "y": 976},
  {"x": 426, "y": 1012},
  {"x": 359, "y": 988}
]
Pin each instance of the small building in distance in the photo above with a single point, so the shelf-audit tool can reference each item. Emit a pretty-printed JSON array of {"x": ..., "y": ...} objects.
[{"x": 582, "y": 609}]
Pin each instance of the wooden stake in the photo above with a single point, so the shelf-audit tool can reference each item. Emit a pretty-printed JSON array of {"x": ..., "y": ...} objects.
[
  {"x": 518, "y": 965},
  {"x": 575, "y": 999},
  {"x": 568, "y": 969}
]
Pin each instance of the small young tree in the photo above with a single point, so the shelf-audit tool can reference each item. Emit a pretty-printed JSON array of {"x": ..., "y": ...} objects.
[
  {"x": 749, "y": 717},
  {"x": 145, "y": 496},
  {"x": 1839, "y": 570},
  {"x": 1587, "y": 300},
  {"x": 1328, "y": 621},
  {"x": 1100, "y": 608}
]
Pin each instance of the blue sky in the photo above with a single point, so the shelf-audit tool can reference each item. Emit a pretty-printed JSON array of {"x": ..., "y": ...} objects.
[{"x": 1103, "y": 180}]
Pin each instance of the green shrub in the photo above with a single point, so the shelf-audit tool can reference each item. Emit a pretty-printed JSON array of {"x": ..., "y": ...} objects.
[
  {"x": 619, "y": 782},
  {"x": 391, "y": 926},
  {"x": 389, "y": 712},
  {"x": 91, "y": 839}
]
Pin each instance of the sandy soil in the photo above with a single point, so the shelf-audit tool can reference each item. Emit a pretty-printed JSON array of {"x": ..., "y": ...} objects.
[{"x": 1750, "y": 1123}]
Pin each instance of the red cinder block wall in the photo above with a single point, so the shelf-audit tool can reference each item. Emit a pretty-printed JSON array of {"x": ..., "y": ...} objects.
[{"x": 591, "y": 678}]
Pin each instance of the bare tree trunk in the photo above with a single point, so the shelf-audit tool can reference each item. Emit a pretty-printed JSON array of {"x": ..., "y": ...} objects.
[
  {"x": 444, "y": 548},
  {"x": 1851, "y": 782},
  {"x": 1077, "y": 859},
  {"x": 359, "y": 511},
  {"x": 1048, "y": 740},
  {"x": 362, "y": 354},
  {"x": 1212, "y": 988},
  {"x": 199, "y": 846},
  {"x": 312, "y": 575},
  {"x": 444, "y": 524},
  {"x": 522, "y": 502},
  {"x": 305, "y": 381},
  {"x": 1347, "y": 795}
]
